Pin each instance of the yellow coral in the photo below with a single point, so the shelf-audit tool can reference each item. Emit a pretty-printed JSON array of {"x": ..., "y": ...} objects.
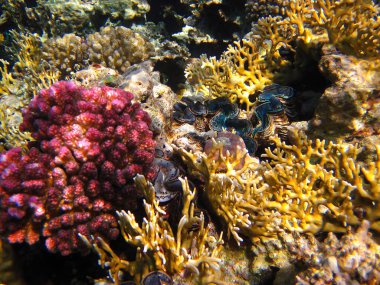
[
  {"x": 158, "y": 247},
  {"x": 352, "y": 26},
  {"x": 305, "y": 187},
  {"x": 27, "y": 77},
  {"x": 230, "y": 187},
  {"x": 239, "y": 73},
  {"x": 248, "y": 66},
  {"x": 10, "y": 135}
]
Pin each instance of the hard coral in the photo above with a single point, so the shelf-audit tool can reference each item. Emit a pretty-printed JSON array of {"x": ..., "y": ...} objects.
[
  {"x": 191, "y": 248},
  {"x": 248, "y": 66},
  {"x": 309, "y": 186},
  {"x": 113, "y": 47},
  {"x": 90, "y": 143}
]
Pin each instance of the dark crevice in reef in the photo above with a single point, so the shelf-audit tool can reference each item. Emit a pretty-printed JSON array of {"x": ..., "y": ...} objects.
[
  {"x": 220, "y": 21},
  {"x": 38, "y": 266},
  {"x": 167, "y": 11},
  {"x": 306, "y": 79},
  {"x": 172, "y": 72},
  {"x": 216, "y": 20}
]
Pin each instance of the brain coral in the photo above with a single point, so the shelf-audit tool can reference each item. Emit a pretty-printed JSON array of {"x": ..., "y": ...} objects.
[{"x": 89, "y": 145}]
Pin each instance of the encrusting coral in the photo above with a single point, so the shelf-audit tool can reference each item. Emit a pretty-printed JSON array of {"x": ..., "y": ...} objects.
[
  {"x": 190, "y": 248},
  {"x": 89, "y": 144},
  {"x": 247, "y": 66},
  {"x": 308, "y": 186}
]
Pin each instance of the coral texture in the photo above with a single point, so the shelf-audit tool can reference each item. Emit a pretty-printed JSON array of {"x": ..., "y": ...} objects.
[
  {"x": 191, "y": 248},
  {"x": 350, "y": 107},
  {"x": 66, "y": 54},
  {"x": 113, "y": 47},
  {"x": 20, "y": 83},
  {"x": 58, "y": 17},
  {"x": 308, "y": 186},
  {"x": 352, "y": 259},
  {"x": 90, "y": 143},
  {"x": 247, "y": 66}
]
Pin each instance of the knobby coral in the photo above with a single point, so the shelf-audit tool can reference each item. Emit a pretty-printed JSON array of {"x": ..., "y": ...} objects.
[
  {"x": 89, "y": 144},
  {"x": 114, "y": 47},
  {"x": 308, "y": 186},
  {"x": 191, "y": 248}
]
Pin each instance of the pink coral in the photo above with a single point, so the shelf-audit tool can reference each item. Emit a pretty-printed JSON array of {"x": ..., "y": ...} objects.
[{"x": 90, "y": 143}]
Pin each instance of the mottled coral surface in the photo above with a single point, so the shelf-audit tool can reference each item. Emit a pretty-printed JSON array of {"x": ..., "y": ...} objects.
[{"x": 90, "y": 143}]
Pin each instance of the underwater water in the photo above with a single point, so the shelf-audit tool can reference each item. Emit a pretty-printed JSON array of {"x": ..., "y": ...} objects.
[{"x": 189, "y": 142}]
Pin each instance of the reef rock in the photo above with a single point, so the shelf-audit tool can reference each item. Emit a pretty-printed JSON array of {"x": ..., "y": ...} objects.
[{"x": 350, "y": 108}]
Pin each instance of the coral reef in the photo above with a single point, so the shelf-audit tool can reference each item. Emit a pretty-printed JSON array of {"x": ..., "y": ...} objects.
[
  {"x": 67, "y": 54},
  {"x": 20, "y": 83},
  {"x": 123, "y": 9},
  {"x": 352, "y": 259},
  {"x": 240, "y": 72},
  {"x": 256, "y": 9},
  {"x": 191, "y": 248},
  {"x": 117, "y": 48},
  {"x": 11, "y": 118},
  {"x": 89, "y": 145},
  {"x": 112, "y": 47},
  {"x": 349, "y": 108},
  {"x": 305, "y": 187},
  {"x": 157, "y": 98},
  {"x": 248, "y": 66},
  {"x": 58, "y": 17}
]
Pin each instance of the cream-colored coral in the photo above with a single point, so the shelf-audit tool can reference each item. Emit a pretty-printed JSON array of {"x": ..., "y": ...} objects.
[
  {"x": 159, "y": 247},
  {"x": 67, "y": 54},
  {"x": 118, "y": 48}
]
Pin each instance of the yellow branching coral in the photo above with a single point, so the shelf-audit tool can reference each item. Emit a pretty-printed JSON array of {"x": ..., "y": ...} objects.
[
  {"x": 248, "y": 66},
  {"x": 20, "y": 84},
  {"x": 159, "y": 247},
  {"x": 309, "y": 186},
  {"x": 239, "y": 73},
  {"x": 352, "y": 26},
  {"x": 10, "y": 135},
  {"x": 231, "y": 187}
]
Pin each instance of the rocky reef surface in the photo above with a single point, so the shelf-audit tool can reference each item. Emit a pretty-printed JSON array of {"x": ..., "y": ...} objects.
[{"x": 189, "y": 142}]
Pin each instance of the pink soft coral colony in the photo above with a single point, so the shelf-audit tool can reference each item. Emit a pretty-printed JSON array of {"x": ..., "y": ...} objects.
[{"x": 90, "y": 143}]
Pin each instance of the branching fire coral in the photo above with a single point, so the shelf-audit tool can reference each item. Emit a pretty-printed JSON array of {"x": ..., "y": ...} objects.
[
  {"x": 248, "y": 66},
  {"x": 191, "y": 247},
  {"x": 232, "y": 181},
  {"x": 309, "y": 186}
]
